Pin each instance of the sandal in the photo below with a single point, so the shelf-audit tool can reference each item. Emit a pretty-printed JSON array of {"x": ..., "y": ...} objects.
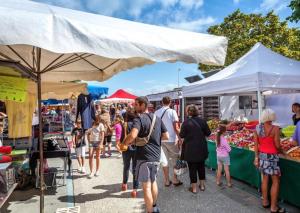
[
  {"x": 219, "y": 184},
  {"x": 279, "y": 210},
  {"x": 202, "y": 188},
  {"x": 266, "y": 206},
  {"x": 191, "y": 190},
  {"x": 178, "y": 184},
  {"x": 169, "y": 184},
  {"x": 229, "y": 185}
]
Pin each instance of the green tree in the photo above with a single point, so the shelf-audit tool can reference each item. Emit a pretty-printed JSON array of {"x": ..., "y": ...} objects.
[
  {"x": 245, "y": 30},
  {"x": 295, "y": 6}
]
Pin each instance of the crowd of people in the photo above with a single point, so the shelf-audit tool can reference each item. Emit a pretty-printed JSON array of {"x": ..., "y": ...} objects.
[{"x": 149, "y": 140}]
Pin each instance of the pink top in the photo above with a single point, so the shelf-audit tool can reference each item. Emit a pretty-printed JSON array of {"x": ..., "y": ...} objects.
[
  {"x": 118, "y": 129},
  {"x": 224, "y": 148}
]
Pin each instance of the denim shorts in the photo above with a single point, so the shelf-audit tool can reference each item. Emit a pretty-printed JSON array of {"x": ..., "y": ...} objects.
[
  {"x": 224, "y": 160},
  {"x": 94, "y": 144}
]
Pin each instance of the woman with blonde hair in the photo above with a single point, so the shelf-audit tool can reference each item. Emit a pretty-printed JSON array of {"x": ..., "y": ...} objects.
[{"x": 267, "y": 148}]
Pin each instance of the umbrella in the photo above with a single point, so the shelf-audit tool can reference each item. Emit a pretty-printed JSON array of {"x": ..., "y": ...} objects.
[{"x": 55, "y": 44}]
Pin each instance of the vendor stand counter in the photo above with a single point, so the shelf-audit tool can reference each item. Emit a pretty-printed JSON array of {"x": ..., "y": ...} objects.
[{"x": 242, "y": 168}]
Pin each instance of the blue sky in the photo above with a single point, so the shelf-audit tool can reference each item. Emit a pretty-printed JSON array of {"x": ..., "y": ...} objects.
[{"x": 192, "y": 15}]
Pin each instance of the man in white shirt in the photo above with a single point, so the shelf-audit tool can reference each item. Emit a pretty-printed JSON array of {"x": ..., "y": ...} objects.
[{"x": 170, "y": 147}]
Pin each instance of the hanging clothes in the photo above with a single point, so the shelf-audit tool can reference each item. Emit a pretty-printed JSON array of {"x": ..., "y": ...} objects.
[
  {"x": 20, "y": 117},
  {"x": 85, "y": 107}
]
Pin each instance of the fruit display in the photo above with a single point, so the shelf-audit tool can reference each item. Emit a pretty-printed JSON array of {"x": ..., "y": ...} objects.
[
  {"x": 286, "y": 144},
  {"x": 235, "y": 126},
  {"x": 213, "y": 124},
  {"x": 295, "y": 153},
  {"x": 243, "y": 135},
  {"x": 213, "y": 136},
  {"x": 288, "y": 131}
]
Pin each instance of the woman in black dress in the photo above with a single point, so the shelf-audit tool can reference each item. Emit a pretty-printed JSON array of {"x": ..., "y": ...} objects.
[{"x": 194, "y": 131}]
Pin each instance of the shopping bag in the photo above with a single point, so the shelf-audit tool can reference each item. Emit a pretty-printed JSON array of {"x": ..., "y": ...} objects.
[{"x": 180, "y": 168}]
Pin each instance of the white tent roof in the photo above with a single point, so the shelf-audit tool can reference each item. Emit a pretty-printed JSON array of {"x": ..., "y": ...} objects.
[
  {"x": 58, "y": 90},
  {"x": 259, "y": 69},
  {"x": 78, "y": 45}
]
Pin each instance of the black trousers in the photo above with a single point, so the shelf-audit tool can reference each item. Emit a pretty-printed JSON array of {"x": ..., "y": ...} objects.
[
  {"x": 195, "y": 168},
  {"x": 128, "y": 156}
]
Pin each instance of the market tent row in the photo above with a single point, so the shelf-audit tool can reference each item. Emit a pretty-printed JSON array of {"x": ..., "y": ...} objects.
[
  {"x": 58, "y": 44},
  {"x": 120, "y": 96},
  {"x": 260, "y": 71}
]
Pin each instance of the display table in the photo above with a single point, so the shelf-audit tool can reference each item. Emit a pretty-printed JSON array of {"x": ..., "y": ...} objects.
[
  {"x": 242, "y": 168},
  {"x": 64, "y": 153},
  {"x": 4, "y": 197}
]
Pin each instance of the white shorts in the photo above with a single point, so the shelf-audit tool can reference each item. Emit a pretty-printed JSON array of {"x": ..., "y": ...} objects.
[
  {"x": 80, "y": 151},
  {"x": 163, "y": 159}
]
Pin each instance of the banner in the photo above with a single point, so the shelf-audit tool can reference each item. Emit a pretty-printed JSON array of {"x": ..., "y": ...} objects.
[{"x": 12, "y": 88}]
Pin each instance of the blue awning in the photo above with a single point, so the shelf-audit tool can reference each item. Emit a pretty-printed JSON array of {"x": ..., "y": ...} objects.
[{"x": 95, "y": 89}]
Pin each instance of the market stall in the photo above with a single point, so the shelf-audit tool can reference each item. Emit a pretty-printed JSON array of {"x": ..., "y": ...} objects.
[
  {"x": 58, "y": 44},
  {"x": 119, "y": 97},
  {"x": 260, "y": 71},
  {"x": 242, "y": 155}
]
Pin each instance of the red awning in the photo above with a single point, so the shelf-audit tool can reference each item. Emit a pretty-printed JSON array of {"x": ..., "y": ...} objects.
[{"x": 122, "y": 94}]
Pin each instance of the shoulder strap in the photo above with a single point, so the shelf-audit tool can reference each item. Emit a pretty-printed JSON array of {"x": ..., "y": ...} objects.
[
  {"x": 152, "y": 126},
  {"x": 196, "y": 123},
  {"x": 269, "y": 133},
  {"x": 164, "y": 113}
]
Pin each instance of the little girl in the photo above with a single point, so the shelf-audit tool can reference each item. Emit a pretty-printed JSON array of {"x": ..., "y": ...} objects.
[
  {"x": 96, "y": 137},
  {"x": 118, "y": 129},
  {"x": 223, "y": 158}
]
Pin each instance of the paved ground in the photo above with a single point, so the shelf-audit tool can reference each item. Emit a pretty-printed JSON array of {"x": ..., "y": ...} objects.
[{"x": 102, "y": 194}]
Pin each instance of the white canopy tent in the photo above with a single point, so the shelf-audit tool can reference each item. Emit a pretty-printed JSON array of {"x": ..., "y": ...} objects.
[
  {"x": 58, "y": 90},
  {"x": 57, "y": 44},
  {"x": 260, "y": 70}
]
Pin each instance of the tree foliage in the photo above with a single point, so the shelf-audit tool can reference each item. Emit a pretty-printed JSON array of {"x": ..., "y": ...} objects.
[
  {"x": 295, "y": 6},
  {"x": 245, "y": 30}
]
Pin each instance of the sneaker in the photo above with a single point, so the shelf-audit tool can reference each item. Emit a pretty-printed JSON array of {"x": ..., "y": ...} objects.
[
  {"x": 90, "y": 175},
  {"x": 134, "y": 194},
  {"x": 83, "y": 171},
  {"x": 119, "y": 156},
  {"x": 79, "y": 169},
  {"x": 107, "y": 155},
  {"x": 97, "y": 173},
  {"x": 124, "y": 187}
]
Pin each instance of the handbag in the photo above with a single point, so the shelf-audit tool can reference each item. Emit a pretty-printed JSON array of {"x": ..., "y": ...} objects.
[
  {"x": 180, "y": 168},
  {"x": 143, "y": 141}
]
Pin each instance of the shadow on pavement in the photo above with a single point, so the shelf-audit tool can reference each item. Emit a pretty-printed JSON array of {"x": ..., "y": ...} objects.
[{"x": 105, "y": 191}]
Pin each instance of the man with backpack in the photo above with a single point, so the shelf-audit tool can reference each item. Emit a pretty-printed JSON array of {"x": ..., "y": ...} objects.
[
  {"x": 171, "y": 146},
  {"x": 147, "y": 133}
]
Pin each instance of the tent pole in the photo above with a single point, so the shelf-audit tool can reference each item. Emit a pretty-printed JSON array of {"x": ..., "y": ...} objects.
[
  {"x": 41, "y": 150},
  {"x": 259, "y": 101}
]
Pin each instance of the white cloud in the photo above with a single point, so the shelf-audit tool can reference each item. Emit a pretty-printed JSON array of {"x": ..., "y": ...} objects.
[
  {"x": 191, "y": 3},
  {"x": 195, "y": 25},
  {"x": 104, "y": 7},
  {"x": 276, "y": 5},
  {"x": 236, "y": 1},
  {"x": 168, "y": 3},
  {"x": 135, "y": 8}
]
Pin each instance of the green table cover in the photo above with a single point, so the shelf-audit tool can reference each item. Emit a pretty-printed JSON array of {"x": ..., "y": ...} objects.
[{"x": 242, "y": 168}]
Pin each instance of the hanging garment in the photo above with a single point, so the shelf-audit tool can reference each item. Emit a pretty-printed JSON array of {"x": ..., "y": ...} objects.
[
  {"x": 20, "y": 117},
  {"x": 85, "y": 107}
]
